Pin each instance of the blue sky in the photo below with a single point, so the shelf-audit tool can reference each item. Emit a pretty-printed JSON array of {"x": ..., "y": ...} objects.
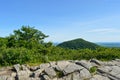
[{"x": 62, "y": 20}]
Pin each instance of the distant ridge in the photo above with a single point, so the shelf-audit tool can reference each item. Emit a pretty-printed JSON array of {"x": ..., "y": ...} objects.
[
  {"x": 109, "y": 44},
  {"x": 78, "y": 44}
]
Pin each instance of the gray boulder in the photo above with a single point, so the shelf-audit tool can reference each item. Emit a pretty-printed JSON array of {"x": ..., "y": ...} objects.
[
  {"x": 53, "y": 64},
  {"x": 61, "y": 65},
  {"x": 50, "y": 72},
  {"x": 84, "y": 74},
  {"x": 17, "y": 67},
  {"x": 96, "y": 62},
  {"x": 22, "y": 75},
  {"x": 85, "y": 64},
  {"x": 37, "y": 72},
  {"x": 44, "y": 66},
  {"x": 76, "y": 76},
  {"x": 34, "y": 68},
  {"x": 72, "y": 68}
]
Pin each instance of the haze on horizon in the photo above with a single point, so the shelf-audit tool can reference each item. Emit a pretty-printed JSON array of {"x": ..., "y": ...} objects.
[{"x": 62, "y": 20}]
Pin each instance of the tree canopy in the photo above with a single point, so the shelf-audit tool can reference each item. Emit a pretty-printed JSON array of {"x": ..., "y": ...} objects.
[{"x": 26, "y": 35}]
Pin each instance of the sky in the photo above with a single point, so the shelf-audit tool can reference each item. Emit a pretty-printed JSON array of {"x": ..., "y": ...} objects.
[{"x": 62, "y": 20}]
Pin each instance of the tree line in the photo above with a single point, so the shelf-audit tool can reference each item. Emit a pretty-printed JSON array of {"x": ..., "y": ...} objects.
[{"x": 26, "y": 46}]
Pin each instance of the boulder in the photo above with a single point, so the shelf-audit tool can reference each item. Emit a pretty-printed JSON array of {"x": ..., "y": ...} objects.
[
  {"x": 37, "y": 72},
  {"x": 22, "y": 75},
  {"x": 61, "y": 65},
  {"x": 85, "y": 64},
  {"x": 84, "y": 74},
  {"x": 44, "y": 66},
  {"x": 96, "y": 62},
  {"x": 34, "y": 68},
  {"x": 72, "y": 68},
  {"x": 17, "y": 67},
  {"x": 76, "y": 76},
  {"x": 53, "y": 64},
  {"x": 50, "y": 72}
]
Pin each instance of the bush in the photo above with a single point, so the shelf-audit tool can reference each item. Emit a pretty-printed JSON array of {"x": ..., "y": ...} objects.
[{"x": 93, "y": 69}]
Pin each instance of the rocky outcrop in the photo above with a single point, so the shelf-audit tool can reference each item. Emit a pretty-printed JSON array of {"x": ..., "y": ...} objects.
[{"x": 64, "y": 70}]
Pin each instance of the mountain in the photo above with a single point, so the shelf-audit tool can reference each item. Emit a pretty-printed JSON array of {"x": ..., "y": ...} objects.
[{"x": 78, "y": 44}]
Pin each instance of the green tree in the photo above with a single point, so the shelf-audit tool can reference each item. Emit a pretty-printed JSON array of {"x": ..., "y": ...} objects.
[
  {"x": 24, "y": 36},
  {"x": 3, "y": 42}
]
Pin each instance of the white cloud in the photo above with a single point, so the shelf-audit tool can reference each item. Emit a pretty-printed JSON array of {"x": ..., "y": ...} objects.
[{"x": 105, "y": 30}]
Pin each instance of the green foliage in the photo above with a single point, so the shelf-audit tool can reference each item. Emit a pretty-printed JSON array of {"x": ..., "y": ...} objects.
[
  {"x": 93, "y": 69},
  {"x": 3, "y": 42},
  {"x": 26, "y": 37},
  {"x": 27, "y": 45},
  {"x": 78, "y": 44},
  {"x": 14, "y": 56}
]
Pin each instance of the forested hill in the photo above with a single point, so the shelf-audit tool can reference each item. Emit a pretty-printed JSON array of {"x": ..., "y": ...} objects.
[{"x": 78, "y": 44}]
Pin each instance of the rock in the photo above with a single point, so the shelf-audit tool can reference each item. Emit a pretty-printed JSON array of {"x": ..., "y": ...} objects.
[
  {"x": 104, "y": 69},
  {"x": 60, "y": 79},
  {"x": 25, "y": 68},
  {"x": 34, "y": 68},
  {"x": 97, "y": 62},
  {"x": 53, "y": 64},
  {"x": 61, "y": 65},
  {"x": 43, "y": 66},
  {"x": 22, "y": 75},
  {"x": 10, "y": 78},
  {"x": 13, "y": 74},
  {"x": 85, "y": 74},
  {"x": 85, "y": 64},
  {"x": 64, "y": 70},
  {"x": 38, "y": 72},
  {"x": 3, "y": 77},
  {"x": 67, "y": 77},
  {"x": 112, "y": 78},
  {"x": 54, "y": 79},
  {"x": 72, "y": 68},
  {"x": 115, "y": 70},
  {"x": 112, "y": 63},
  {"x": 118, "y": 60},
  {"x": 34, "y": 79},
  {"x": 17, "y": 67},
  {"x": 76, "y": 76},
  {"x": 46, "y": 77},
  {"x": 50, "y": 72},
  {"x": 99, "y": 77}
]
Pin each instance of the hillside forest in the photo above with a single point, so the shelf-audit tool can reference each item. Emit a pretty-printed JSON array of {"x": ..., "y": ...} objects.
[{"x": 27, "y": 46}]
